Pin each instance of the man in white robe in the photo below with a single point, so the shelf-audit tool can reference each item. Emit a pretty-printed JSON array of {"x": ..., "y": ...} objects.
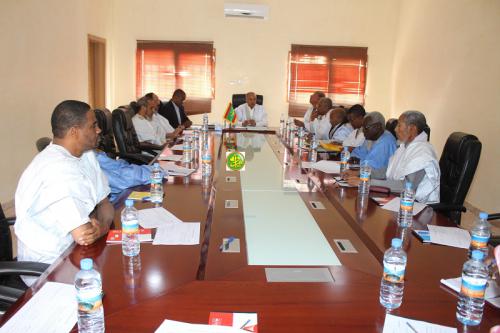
[
  {"x": 313, "y": 100},
  {"x": 250, "y": 113},
  {"x": 320, "y": 124},
  {"x": 415, "y": 160},
  {"x": 62, "y": 195},
  {"x": 340, "y": 127}
]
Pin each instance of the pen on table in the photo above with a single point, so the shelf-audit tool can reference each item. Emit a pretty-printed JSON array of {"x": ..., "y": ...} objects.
[
  {"x": 411, "y": 327},
  {"x": 245, "y": 324}
]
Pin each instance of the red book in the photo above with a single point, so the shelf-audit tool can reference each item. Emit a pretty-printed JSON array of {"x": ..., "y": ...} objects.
[
  {"x": 241, "y": 320},
  {"x": 115, "y": 236}
]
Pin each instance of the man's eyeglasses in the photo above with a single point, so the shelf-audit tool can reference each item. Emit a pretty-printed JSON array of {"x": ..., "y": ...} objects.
[{"x": 367, "y": 127}]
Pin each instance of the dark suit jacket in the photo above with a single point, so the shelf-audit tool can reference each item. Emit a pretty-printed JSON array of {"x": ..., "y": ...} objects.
[{"x": 167, "y": 110}]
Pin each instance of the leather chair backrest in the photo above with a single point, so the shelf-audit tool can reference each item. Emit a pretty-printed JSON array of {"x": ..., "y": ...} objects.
[
  {"x": 458, "y": 165},
  {"x": 5, "y": 239},
  {"x": 42, "y": 143},
  {"x": 390, "y": 126},
  {"x": 124, "y": 131},
  {"x": 106, "y": 137},
  {"x": 239, "y": 99}
]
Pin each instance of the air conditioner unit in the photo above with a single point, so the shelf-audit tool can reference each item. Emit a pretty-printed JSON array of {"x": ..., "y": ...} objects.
[{"x": 246, "y": 10}]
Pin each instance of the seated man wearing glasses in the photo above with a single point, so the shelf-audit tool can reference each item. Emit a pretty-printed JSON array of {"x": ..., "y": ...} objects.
[{"x": 378, "y": 147}]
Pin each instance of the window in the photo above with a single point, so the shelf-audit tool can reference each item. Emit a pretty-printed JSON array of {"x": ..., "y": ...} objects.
[
  {"x": 338, "y": 71},
  {"x": 162, "y": 67}
]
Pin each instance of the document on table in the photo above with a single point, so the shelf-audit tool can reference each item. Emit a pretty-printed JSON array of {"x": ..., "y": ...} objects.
[
  {"x": 177, "y": 147},
  {"x": 395, "y": 324},
  {"x": 450, "y": 236},
  {"x": 176, "y": 170},
  {"x": 307, "y": 165},
  {"x": 491, "y": 295},
  {"x": 53, "y": 300},
  {"x": 327, "y": 166},
  {"x": 178, "y": 234},
  {"x": 171, "y": 326},
  {"x": 174, "y": 158},
  {"x": 393, "y": 206},
  {"x": 251, "y": 128},
  {"x": 156, "y": 217}
]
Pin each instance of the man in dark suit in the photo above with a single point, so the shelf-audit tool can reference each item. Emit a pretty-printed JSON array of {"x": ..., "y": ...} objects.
[{"x": 174, "y": 110}]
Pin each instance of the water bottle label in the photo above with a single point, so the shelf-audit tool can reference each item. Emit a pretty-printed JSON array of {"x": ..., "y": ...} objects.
[
  {"x": 406, "y": 205},
  {"x": 394, "y": 272},
  {"x": 206, "y": 159},
  {"x": 89, "y": 301},
  {"x": 130, "y": 227},
  {"x": 364, "y": 176},
  {"x": 479, "y": 242},
  {"x": 473, "y": 287}
]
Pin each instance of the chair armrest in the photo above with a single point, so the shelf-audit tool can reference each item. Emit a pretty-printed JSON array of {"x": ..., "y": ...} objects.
[
  {"x": 22, "y": 268},
  {"x": 10, "y": 294},
  {"x": 443, "y": 207},
  {"x": 495, "y": 216}
]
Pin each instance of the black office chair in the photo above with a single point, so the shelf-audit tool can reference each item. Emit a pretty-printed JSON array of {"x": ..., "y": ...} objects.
[
  {"x": 390, "y": 126},
  {"x": 458, "y": 165},
  {"x": 239, "y": 99},
  {"x": 126, "y": 138},
  {"x": 494, "y": 239},
  {"x": 106, "y": 138},
  {"x": 42, "y": 143},
  {"x": 11, "y": 285}
]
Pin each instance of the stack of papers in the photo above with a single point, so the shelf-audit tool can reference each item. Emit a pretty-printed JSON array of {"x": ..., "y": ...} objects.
[
  {"x": 492, "y": 294},
  {"x": 395, "y": 324},
  {"x": 176, "y": 170},
  {"x": 53, "y": 300},
  {"x": 170, "y": 229},
  {"x": 450, "y": 236},
  {"x": 174, "y": 158},
  {"x": 177, "y": 147},
  {"x": 171, "y": 326},
  {"x": 393, "y": 206},
  {"x": 326, "y": 166}
]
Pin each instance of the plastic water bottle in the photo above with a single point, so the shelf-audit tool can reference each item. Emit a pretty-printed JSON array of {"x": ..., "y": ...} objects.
[
  {"x": 471, "y": 300},
  {"x": 392, "y": 284},
  {"x": 205, "y": 123},
  {"x": 196, "y": 139},
  {"x": 405, "y": 215},
  {"x": 282, "y": 124},
  {"x": 187, "y": 150},
  {"x": 365, "y": 172},
  {"x": 289, "y": 135},
  {"x": 313, "y": 154},
  {"x": 130, "y": 230},
  {"x": 206, "y": 162},
  {"x": 156, "y": 190},
  {"x": 300, "y": 134},
  {"x": 480, "y": 235},
  {"x": 88, "y": 285},
  {"x": 345, "y": 155}
]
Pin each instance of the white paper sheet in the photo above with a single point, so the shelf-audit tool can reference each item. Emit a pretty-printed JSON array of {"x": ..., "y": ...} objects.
[
  {"x": 395, "y": 324},
  {"x": 171, "y": 326},
  {"x": 176, "y": 170},
  {"x": 492, "y": 293},
  {"x": 307, "y": 165},
  {"x": 51, "y": 310},
  {"x": 177, "y": 147},
  {"x": 175, "y": 158},
  {"x": 156, "y": 217},
  {"x": 178, "y": 234},
  {"x": 393, "y": 206},
  {"x": 327, "y": 166},
  {"x": 450, "y": 236}
]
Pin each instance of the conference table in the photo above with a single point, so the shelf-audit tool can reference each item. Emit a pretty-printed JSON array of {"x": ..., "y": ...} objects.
[{"x": 288, "y": 220}]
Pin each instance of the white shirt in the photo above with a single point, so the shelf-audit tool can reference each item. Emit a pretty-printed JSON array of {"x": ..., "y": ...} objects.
[
  {"x": 163, "y": 123},
  {"x": 257, "y": 113},
  {"x": 148, "y": 130},
  {"x": 55, "y": 195},
  {"x": 307, "y": 118},
  {"x": 355, "y": 139},
  {"x": 321, "y": 126},
  {"x": 340, "y": 132},
  {"x": 415, "y": 156}
]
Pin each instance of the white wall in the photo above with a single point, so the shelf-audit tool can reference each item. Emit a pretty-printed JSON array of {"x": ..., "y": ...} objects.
[
  {"x": 447, "y": 65},
  {"x": 43, "y": 61},
  {"x": 256, "y": 51}
]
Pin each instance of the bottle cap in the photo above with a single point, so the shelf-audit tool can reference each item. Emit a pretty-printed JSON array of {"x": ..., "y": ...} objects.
[
  {"x": 478, "y": 255},
  {"x": 483, "y": 215},
  {"x": 396, "y": 242},
  {"x": 346, "y": 148},
  {"x": 129, "y": 203},
  {"x": 86, "y": 264},
  {"x": 408, "y": 186},
  {"x": 156, "y": 165}
]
